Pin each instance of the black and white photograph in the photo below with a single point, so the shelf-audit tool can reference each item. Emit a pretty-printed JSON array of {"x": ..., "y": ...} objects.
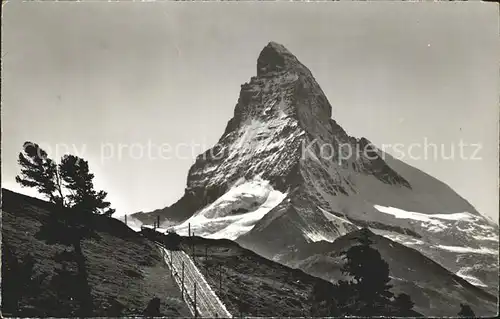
[{"x": 237, "y": 159}]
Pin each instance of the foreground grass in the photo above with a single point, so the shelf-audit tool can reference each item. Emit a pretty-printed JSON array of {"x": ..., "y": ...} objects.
[{"x": 112, "y": 271}]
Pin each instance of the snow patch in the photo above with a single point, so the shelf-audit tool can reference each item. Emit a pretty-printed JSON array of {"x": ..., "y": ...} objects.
[
  {"x": 460, "y": 249},
  {"x": 433, "y": 222},
  {"x": 492, "y": 238},
  {"x": 402, "y": 239},
  {"x": 413, "y": 242},
  {"x": 400, "y": 213},
  {"x": 315, "y": 236},
  {"x": 471, "y": 279},
  {"x": 333, "y": 217},
  {"x": 234, "y": 213}
]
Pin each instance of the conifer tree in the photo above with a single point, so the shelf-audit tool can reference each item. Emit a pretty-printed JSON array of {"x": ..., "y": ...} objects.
[
  {"x": 78, "y": 180},
  {"x": 39, "y": 172},
  {"x": 367, "y": 292},
  {"x": 466, "y": 311}
]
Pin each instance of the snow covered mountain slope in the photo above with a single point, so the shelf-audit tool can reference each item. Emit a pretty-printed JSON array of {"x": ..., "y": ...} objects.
[
  {"x": 285, "y": 174},
  {"x": 234, "y": 213}
]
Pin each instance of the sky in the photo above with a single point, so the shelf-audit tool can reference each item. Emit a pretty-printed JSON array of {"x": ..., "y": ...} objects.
[{"x": 112, "y": 82}]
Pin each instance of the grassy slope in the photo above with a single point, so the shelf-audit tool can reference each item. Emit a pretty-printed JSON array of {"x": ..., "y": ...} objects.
[
  {"x": 123, "y": 270},
  {"x": 266, "y": 288}
]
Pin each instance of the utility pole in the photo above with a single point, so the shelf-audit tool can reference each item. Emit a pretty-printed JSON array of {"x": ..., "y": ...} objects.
[
  {"x": 182, "y": 280},
  {"x": 189, "y": 229},
  {"x": 241, "y": 305},
  {"x": 192, "y": 248},
  {"x": 220, "y": 278},
  {"x": 158, "y": 221},
  {"x": 125, "y": 219},
  {"x": 171, "y": 264},
  {"x": 206, "y": 260},
  {"x": 195, "y": 310}
]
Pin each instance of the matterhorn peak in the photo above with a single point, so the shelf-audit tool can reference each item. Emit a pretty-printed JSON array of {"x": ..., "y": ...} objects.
[
  {"x": 285, "y": 175},
  {"x": 275, "y": 58}
]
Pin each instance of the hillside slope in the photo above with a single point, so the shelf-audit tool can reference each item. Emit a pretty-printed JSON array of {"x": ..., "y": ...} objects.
[
  {"x": 113, "y": 271},
  {"x": 244, "y": 281},
  {"x": 434, "y": 290}
]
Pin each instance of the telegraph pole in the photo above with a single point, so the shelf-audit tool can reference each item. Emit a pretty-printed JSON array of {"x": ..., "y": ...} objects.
[
  {"x": 172, "y": 264},
  {"x": 220, "y": 278},
  {"x": 182, "y": 280},
  {"x": 241, "y": 305},
  {"x": 195, "y": 310},
  {"x": 206, "y": 260},
  {"x": 125, "y": 219},
  {"x": 158, "y": 221},
  {"x": 189, "y": 229},
  {"x": 192, "y": 247}
]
